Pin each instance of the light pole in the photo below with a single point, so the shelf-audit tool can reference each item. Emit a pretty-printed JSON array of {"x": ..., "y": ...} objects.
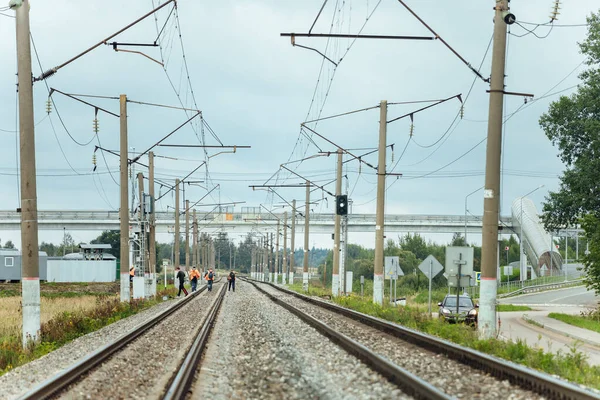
[
  {"x": 522, "y": 267},
  {"x": 466, "y": 197}
]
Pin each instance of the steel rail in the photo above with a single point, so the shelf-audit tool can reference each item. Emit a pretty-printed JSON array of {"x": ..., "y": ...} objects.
[
  {"x": 407, "y": 381},
  {"x": 62, "y": 380},
  {"x": 526, "y": 378},
  {"x": 183, "y": 380}
]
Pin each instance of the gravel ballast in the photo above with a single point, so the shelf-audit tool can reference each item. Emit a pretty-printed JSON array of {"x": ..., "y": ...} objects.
[
  {"x": 259, "y": 350},
  {"x": 25, "y": 377},
  {"x": 143, "y": 368},
  {"x": 450, "y": 376}
]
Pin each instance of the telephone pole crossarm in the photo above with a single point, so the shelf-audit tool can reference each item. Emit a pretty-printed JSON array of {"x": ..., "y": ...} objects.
[{"x": 351, "y": 36}]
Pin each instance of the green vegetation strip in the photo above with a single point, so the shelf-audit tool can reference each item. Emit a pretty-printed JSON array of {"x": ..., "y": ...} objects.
[
  {"x": 68, "y": 326},
  {"x": 511, "y": 307},
  {"x": 590, "y": 322},
  {"x": 571, "y": 365}
]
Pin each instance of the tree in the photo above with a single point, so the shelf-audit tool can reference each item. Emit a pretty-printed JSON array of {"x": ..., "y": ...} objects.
[
  {"x": 9, "y": 244},
  {"x": 458, "y": 240},
  {"x": 573, "y": 124},
  {"x": 415, "y": 244},
  {"x": 109, "y": 237},
  {"x": 50, "y": 249}
]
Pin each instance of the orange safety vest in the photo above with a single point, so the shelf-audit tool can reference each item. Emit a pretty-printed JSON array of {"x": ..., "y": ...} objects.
[
  {"x": 132, "y": 272},
  {"x": 194, "y": 274},
  {"x": 209, "y": 279}
]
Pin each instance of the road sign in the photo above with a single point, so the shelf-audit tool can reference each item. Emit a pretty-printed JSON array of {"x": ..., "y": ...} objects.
[
  {"x": 557, "y": 246},
  {"x": 392, "y": 267},
  {"x": 465, "y": 281},
  {"x": 456, "y": 256},
  {"x": 430, "y": 267},
  {"x": 434, "y": 264},
  {"x": 506, "y": 248},
  {"x": 508, "y": 270},
  {"x": 478, "y": 277}
]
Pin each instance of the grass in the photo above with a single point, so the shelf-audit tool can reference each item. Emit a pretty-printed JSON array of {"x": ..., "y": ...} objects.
[
  {"x": 585, "y": 321},
  {"x": 571, "y": 365},
  {"x": 10, "y": 311},
  {"x": 63, "y": 319},
  {"x": 511, "y": 307}
]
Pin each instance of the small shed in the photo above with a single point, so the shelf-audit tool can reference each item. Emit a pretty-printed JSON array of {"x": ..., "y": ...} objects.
[
  {"x": 91, "y": 264},
  {"x": 10, "y": 265},
  {"x": 95, "y": 251}
]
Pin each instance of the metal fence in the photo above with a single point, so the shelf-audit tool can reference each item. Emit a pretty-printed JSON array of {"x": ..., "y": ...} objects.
[{"x": 506, "y": 288}]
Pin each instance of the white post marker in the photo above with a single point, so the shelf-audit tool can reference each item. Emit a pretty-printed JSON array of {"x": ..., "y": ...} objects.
[
  {"x": 275, "y": 277},
  {"x": 335, "y": 285},
  {"x": 305, "y": 281},
  {"x": 291, "y": 278}
]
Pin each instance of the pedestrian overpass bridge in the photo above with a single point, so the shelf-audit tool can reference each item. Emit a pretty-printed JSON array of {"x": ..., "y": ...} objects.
[{"x": 241, "y": 222}]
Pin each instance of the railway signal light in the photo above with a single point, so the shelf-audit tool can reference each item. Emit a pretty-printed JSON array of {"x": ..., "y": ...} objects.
[{"x": 341, "y": 204}]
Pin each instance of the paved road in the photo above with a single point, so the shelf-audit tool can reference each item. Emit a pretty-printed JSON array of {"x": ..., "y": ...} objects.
[
  {"x": 569, "y": 301},
  {"x": 577, "y": 296}
]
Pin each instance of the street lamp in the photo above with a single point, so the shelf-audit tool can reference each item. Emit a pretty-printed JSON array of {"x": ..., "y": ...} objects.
[
  {"x": 521, "y": 253},
  {"x": 466, "y": 197}
]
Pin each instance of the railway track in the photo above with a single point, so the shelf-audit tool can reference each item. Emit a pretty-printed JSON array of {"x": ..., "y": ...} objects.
[
  {"x": 66, "y": 383},
  {"x": 407, "y": 381},
  {"x": 386, "y": 339}
]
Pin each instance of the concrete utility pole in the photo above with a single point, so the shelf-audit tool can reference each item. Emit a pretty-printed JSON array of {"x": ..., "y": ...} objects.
[
  {"x": 306, "y": 249},
  {"x": 176, "y": 223},
  {"x": 335, "y": 278},
  {"x": 266, "y": 258},
  {"x": 379, "y": 218},
  {"x": 277, "y": 253},
  {"x": 30, "y": 262},
  {"x": 292, "y": 244},
  {"x": 271, "y": 260},
  {"x": 195, "y": 241},
  {"x": 284, "y": 269},
  {"x": 142, "y": 249},
  {"x": 152, "y": 227},
  {"x": 187, "y": 235},
  {"x": 258, "y": 258},
  {"x": 123, "y": 211},
  {"x": 263, "y": 259},
  {"x": 491, "y": 196},
  {"x": 214, "y": 254}
]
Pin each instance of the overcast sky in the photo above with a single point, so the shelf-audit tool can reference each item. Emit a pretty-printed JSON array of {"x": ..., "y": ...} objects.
[{"x": 254, "y": 88}]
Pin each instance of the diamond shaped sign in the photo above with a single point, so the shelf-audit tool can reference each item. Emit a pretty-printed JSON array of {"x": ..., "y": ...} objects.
[{"x": 431, "y": 264}]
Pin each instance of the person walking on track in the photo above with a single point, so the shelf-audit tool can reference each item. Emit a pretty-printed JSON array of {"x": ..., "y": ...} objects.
[
  {"x": 210, "y": 277},
  {"x": 231, "y": 279},
  {"x": 180, "y": 278},
  {"x": 194, "y": 276}
]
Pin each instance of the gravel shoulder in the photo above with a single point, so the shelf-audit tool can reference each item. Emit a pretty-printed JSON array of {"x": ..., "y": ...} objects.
[
  {"x": 450, "y": 376},
  {"x": 23, "y": 378},
  {"x": 143, "y": 369},
  {"x": 259, "y": 350}
]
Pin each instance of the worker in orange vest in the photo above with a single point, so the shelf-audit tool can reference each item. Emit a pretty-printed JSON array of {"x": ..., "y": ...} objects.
[
  {"x": 210, "y": 277},
  {"x": 131, "y": 274},
  {"x": 194, "y": 276}
]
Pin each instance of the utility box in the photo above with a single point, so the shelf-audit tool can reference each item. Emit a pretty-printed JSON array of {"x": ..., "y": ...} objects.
[{"x": 349, "y": 279}]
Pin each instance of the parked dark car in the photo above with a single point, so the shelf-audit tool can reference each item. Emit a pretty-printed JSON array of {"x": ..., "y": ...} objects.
[{"x": 467, "y": 311}]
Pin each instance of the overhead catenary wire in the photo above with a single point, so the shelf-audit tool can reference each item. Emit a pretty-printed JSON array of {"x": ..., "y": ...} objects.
[
  {"x": 475, "y": 71},
  {"x": 448, "y": 132}
]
